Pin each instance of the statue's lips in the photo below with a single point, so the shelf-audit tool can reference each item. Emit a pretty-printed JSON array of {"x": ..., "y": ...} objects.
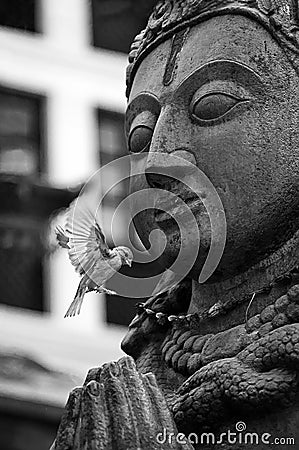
[{"x": 175, "y": 211}]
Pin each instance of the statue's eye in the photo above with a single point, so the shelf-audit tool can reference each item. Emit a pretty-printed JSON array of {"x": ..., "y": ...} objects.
[
  {"x": 139, "y": 138},
  {"x": 213, "y": 106}
]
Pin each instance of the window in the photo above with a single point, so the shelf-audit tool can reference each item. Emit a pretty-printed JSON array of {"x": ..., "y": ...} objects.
[
  {"x": 21, "y": 278},
  {"x": 26, "y": 208},
  {"x": 20, "y": 132},
  {"x": 112, "y": 146},
  {"x": 19, "y": 14},
  {"x": 117, "y": 22}
]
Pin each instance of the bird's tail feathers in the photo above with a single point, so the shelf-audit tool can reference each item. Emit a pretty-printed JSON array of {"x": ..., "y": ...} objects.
[{"x": 75, "y": 306}]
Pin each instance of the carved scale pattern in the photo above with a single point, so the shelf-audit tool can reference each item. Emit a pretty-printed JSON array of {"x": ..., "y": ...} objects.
[{"x": 259, "y": 368}]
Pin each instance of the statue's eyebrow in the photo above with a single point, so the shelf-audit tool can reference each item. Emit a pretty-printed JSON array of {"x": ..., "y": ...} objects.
[{"x": 224, "y": 69}]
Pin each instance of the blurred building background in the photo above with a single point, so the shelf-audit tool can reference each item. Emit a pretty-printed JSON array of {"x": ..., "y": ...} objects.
[{"x": 62, "y": 100}]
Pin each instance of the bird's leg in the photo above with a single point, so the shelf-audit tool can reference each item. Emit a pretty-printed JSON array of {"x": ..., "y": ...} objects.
[
  {"x": 91, "y": 285},
  {"x": 103, "y": 290}
]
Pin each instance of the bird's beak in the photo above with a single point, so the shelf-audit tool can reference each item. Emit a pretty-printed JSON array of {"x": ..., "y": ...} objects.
[{"x": 129, "y": 262}]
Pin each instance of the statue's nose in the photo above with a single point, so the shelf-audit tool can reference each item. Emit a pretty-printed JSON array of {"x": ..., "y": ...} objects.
[{"x": 164, "y": 170}]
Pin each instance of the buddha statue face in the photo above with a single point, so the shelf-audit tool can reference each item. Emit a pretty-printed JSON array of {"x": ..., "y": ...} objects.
[{"x": 228, "y": 101}]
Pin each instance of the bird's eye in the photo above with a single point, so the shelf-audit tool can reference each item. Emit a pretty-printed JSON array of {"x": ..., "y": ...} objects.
[
  {"x": 213, "y": 106},
  {"x": 140, "y": 138}
]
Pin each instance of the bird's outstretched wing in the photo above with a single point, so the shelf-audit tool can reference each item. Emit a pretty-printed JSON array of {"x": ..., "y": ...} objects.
[
  {"x": 62, "y": 238},
  {"x": 83, "y": 237}
]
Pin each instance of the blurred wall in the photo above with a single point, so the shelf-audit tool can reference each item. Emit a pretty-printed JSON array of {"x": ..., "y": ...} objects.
[{"x": 53, "y": 60}]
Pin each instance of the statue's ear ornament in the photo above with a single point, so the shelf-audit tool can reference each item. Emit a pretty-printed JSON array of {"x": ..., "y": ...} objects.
[{"x": 279, "y": 17}]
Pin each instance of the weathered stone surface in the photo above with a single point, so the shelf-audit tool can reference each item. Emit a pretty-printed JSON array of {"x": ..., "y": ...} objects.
[
  {"x": 282, "y": 303},
  {"x": 194, "y": 363},
  {"x": 221, "y": 94},
  {"x": 293, "y": 294},
  {"x": 182, "y": 362},
  {"x": 188, "y": 344},
  {"x": 268, "y": 314},
  {"x": 225, "y": 344},
  {"x": 292, "y": 312},
  {"x": 117, "y": 408},
  {"x": 244, "y": 369},
  {"x": 199, "y": 343},
  {"x": 253, "y": 323},
  {"x": 265, "y": 329}
]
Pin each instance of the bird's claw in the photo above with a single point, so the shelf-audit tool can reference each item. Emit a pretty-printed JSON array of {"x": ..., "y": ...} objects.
[{"x": 102, "y": 290}]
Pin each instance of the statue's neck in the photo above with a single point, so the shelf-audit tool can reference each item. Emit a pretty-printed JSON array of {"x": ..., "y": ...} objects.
[{"x": 241, "y": 286}]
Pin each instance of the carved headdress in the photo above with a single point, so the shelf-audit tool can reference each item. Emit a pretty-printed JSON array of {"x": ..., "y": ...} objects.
[{"x": 280, "y": 17}]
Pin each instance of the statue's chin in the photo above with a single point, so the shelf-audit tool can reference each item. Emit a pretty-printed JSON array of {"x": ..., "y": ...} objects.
[
  {"x": 185, "y": 255},
  {"x": 187, "y": 261}
]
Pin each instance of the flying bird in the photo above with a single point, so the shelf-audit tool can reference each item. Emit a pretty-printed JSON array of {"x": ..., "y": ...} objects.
[{"x": 88, "y": 251}]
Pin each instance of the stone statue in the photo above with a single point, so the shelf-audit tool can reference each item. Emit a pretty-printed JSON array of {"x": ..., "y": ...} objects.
[{"x": 216, "y": 83}]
